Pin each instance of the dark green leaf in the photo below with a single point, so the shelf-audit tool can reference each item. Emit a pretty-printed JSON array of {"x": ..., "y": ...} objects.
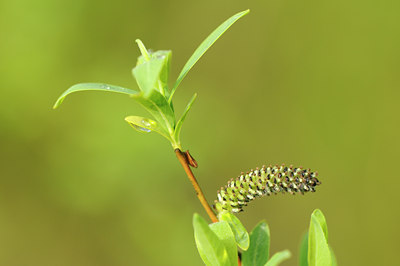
[
  {"x": 303, "y": 260},
  {"x": 278, "y": 257},
  {"x": 318, "y": 249},
  {"x": 258, "y": 252},
  {"x": 211, "y": 248},
  {"x": 225, "y": 234},
  {"x": 207, "y": 43},
  {"x": 93, "y": 87},
  {"x": 180, "y": 122}
]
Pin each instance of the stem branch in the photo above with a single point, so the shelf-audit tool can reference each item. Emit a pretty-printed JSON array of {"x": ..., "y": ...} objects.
[{"x": 183, "y": 160}]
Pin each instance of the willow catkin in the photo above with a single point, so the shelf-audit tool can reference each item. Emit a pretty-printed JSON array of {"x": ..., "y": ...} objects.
[{"x": 264, "y": 182}]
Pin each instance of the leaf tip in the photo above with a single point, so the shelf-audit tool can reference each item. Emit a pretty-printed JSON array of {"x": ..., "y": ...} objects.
[{"x": 58, "y": 103}]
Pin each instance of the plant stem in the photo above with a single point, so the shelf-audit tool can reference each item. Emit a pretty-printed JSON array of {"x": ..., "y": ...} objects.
[{"x": 183, "y": 160}]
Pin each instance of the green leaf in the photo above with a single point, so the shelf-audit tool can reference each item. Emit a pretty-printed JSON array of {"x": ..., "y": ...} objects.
[
  {"x": 180, "y": 122},
  {"x": 319, "y": 253},
  {"x": 147, "y": 75},
  {"x": 334, "y": 262},
  {"x": 317, "y": 214},
  {"x": 164, "y": 73},
  {"x": 212, "y": 250},
  {"x": 225, "y": 234},
  {"x": 241, "y": 235},
  {"x": 159, "y": 108},
  {"x": 93, "y": 87},
  {"x": 145, "y": 125},
  {"x": 152, "y": 70},
  {"x": 204, "y": 46},
  {"x": 303, "y": 261},
  {"x": 278, "y": 257},
  {"x": 258, "y": 252}
]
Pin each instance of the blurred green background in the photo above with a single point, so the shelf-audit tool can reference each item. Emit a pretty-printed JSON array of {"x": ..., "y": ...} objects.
[{"x": 311, "y": 83}]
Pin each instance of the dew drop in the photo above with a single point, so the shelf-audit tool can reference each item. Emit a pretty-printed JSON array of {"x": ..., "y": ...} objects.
[
  {"x": 146, "y": 123},
  {"x": 141, "y": 129}
]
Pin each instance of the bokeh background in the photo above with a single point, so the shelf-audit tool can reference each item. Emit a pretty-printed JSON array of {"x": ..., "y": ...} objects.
[{"x": 311, "y": 83}]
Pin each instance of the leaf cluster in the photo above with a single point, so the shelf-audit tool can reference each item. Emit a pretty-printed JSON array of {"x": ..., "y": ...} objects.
[
  {"x": 218, "y": 243},
  {"x": 152, "y": 77}
]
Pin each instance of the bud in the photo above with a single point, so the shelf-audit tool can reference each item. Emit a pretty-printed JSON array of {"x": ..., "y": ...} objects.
[{"x": 264, "y": 182}]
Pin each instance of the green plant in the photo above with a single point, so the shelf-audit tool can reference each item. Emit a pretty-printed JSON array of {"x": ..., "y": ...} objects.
[{"x": 218, "y": 242}]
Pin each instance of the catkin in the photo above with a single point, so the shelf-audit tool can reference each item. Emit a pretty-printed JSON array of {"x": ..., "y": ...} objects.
[{"x": 264, "y": 182}]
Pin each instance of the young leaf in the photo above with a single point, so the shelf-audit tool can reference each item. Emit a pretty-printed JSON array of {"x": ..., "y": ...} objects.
[
  {"x": 303, "y": 261},
  {"x": 258, "y": 252},
  {"x": 317, "y": 214},
  {"x": 147, "y": 75},
  {"x": 152, "y": 70},
  {"x": 318, "y": 248},
  {"x": 207, "y": 43},
  {"x": 225, "y": 234},
  {"x": 278, "y": 257},
  {"x": 180, "y": 122},
  {"x": 164, "y": 73},
  {"x": 241, "y": 235},
  {"x": 145, "y": 125},
  {"x": 93, "y": 87},
  {"x": 159, "y": 108},
  {"x": 211, "y": 248}
]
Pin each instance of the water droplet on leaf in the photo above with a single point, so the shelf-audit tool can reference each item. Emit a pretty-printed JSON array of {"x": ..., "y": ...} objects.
[
  {"x": 141, "y": 129},
  {"x": 146, "y": 122}
]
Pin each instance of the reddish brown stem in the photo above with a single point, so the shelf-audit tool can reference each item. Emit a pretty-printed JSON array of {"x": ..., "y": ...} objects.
[{"x": 183, "y": 160}]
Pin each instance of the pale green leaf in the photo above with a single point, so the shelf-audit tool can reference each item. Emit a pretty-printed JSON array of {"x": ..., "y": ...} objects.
[
  {"x": 258, "y": 252},
  {"x": 147, "y": 75},
  {"x": 93, "y": 87},
  {"x": 278, "y": 257},
  {"x": 204, "y": 46},
  {"x": 152, "y": 70},
  {"x": 211, "y": 249},
  {"x": 145, "y": 125},
  {"x": 319, "y": 253},
  {"x": 180, "y": 122},
  {"x": 225, "y": 234},
  {"x": 241, "y": 235},
  {"x": 317, "y": 214}
]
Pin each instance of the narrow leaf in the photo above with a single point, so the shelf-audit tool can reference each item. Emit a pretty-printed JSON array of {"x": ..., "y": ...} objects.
[
  {"x": 207, "y": 43},
  {"x": 258, "y": 252},
  {"x": 145, "y": 125},
  {"x": 93, "y": 87},
  {"x": 303, "y": 261},
  {"x": 211, "y": 248},
  {"x": 278, "y": 257},
  {"x": 225, "y": 234},
  {"x": 318, "y": 249},
  {"x": 180, "y": 122}
]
